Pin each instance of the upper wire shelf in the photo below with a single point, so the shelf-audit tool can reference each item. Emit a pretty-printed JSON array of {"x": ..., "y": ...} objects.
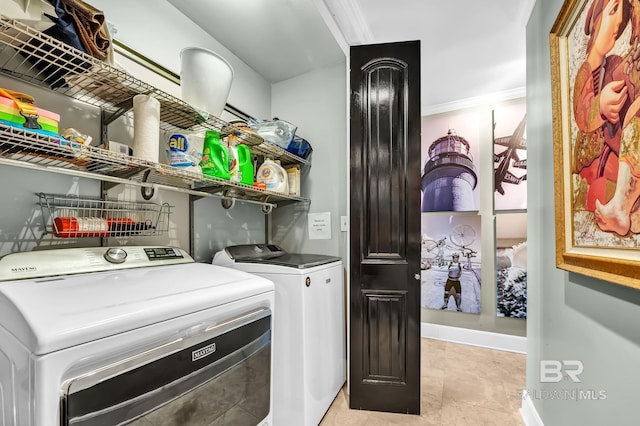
[{"x": 34, "y": 57}]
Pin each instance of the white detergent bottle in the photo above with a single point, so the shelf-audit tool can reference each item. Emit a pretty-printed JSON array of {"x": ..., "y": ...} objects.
[{"x": 273, "y": 176}]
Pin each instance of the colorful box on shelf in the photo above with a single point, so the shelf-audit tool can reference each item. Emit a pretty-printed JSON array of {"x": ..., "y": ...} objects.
[{"x": 10, "y": 112}]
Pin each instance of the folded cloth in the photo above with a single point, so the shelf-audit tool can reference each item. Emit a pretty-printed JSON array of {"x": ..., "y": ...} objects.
[
  {"x": 89, "y": 32},
  {"x": 91, "y": 27},
  {"x": 65, "y": 29}
]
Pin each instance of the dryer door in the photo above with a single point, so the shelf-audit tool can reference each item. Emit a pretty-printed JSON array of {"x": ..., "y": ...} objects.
[{"x": 223, "y": 372}]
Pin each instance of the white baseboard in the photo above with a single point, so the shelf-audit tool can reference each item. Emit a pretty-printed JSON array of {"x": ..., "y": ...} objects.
[
  {"x": 465, "y": 336},
  {"x": 528, "y": 412}
]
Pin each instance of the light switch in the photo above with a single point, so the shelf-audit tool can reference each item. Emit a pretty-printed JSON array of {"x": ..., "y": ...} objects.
[{"x": 344, "y": 224}]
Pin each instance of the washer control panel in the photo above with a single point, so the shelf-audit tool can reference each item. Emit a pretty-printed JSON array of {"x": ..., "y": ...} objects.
[
  {"x": 159, "y": 253},
  {"x": 57, "y": 262}
]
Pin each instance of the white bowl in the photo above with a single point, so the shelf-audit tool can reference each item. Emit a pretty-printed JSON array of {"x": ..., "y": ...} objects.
[{"x": 205, "y": 79}]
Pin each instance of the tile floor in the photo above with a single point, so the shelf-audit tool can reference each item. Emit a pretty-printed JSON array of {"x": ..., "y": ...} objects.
[{"x": 461, "y": 385}]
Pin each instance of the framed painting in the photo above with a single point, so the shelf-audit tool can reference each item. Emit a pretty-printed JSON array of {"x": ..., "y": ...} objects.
[{"x": 595, "y": 67}]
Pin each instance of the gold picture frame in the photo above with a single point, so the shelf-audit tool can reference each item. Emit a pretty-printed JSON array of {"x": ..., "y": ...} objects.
[{"x": 596, "y": 132}]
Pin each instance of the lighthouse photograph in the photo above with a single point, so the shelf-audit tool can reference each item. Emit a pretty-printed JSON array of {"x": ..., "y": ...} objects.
[{"x": 450, "y": 149}]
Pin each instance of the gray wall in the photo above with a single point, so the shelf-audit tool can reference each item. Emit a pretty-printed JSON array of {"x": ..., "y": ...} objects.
[
  {"x": 571, "y": 317},
  {"x": 315, "y": 102},
  {"x": 21, "y": 219}
]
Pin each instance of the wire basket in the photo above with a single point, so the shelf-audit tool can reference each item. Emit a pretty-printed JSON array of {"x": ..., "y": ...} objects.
[{"x": 78, "y": 217}]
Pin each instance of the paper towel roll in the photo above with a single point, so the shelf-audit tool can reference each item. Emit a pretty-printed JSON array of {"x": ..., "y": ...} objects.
[{"x": 146, "y": 127}]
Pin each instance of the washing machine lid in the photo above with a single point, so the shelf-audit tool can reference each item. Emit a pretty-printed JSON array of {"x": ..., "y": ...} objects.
[
  {"x": 296, "y": 260},
  {"x": 271, "y": 254},
  {"x": 52, "y": 313}
]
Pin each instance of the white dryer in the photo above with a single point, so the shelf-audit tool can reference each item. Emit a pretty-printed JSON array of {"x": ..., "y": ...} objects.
[
  {"x": 132, "y": 335},
  {"x": 309, "y": 327}
]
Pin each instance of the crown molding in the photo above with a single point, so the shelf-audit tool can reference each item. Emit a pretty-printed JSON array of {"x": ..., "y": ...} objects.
[
  {"x": 329, "y": 19},
  {"x": 525, "y": 12},
  {"x": 348, "y": 17},
  {"x": 475, "y": 101}
]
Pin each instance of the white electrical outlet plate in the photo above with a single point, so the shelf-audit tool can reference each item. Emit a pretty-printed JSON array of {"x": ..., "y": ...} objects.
[{"x": 343, "y": 224}]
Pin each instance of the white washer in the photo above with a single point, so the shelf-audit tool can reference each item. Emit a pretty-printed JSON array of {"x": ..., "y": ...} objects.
[
  {"x": 94, "y": 336},
  {"x": 309, "y": 327}
]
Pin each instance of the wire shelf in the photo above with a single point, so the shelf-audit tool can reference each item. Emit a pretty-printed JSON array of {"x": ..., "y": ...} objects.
[
  {"x": 36, "y": 58},
  {"x": 78, "y": 217},
  {"x": 23, "y": 147}
]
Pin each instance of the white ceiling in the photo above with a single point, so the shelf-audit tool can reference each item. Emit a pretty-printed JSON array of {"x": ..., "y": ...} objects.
[
  {"x": 471, "y": 50},
  {"x": 277, "y": 38}
]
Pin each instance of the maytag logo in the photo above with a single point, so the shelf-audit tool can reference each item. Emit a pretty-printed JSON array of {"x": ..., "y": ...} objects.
[
  {"x": 202, "y": 352},
  {"x": 24, "y": 269}
]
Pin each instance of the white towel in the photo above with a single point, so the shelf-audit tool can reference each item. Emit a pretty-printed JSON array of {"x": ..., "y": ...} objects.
[{"x": 146, "y": 127}]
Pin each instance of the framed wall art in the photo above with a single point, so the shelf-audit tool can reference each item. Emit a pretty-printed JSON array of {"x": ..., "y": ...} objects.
[{"x": 595, "y": 64}]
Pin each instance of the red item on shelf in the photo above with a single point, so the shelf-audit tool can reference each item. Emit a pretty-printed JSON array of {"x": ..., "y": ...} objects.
[{"x": 75, "y": 227}]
